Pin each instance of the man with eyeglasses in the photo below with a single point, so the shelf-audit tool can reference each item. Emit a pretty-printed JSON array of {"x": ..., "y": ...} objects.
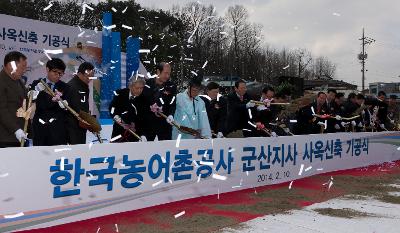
[
  {"x": 79, "y": 101},
  {"x": 49, "y": 127}
]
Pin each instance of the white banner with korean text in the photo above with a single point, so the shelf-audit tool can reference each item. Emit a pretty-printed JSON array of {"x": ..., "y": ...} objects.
[{"x": 46, "y": 186}]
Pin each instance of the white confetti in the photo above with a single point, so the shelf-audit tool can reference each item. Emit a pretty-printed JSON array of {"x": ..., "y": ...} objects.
[
  {"x": 98, "y": 229},
  {"x": 155, "y": 48},
  {"x": 218, "y": 195},
  {"x": 320, "y": 169},
  {"x": 223, "y": 33},
  {"x": 162, "y": 101},
  {"x": 219, "y": 177},
  {"x": 14, "y": 67},
  {"x": 4, "y": 175},
  {"x": 41, "y": 63},
  {"x": 51, "y": 120},
  {"x": 112, "y": 110},
  {"x": 198, "y": 178},
  {"x": 301, "y": 169},
  {"x": 115, "y": 93},
  {"x": 53, "y": 51},
  {"x": 157, "y": 183},
  {"x": 48, "y": 7},
  {"x": 113, "y": 9},
  {"x": 284, "y": 68},
  {"x": 188, "y": 59},
  {"x": 398, "y": 148},
  {"x": 14, "y": 215},
  {"x": 194, "y": 73},
  {"x": 178, "y": 140},
  {"x": 179, "y": 215},
  {"x": 290, "y": 185},
  {"x": 195, "y": 163},
  {"x": 232, "y": 150},
  {"x": 293, "y": 121},
  {"x": 124, "y": 10},
  {"x": 42, "y": 121},
  {"x": 84, "y": 6},
  {"x": 173, "y": 46},
  {"x": 307, "y": 169},
  {"x": 170, "y": 181},
  {"x": 116, "y": 228},
  {"x": 93, "y": 78},
  {"x": 91, "y": 177},
  {"x": 90, "y": 145},
  {"x": 335, "y": 14},
  {"x": 115, "y": 138},
  {"x": 206, "y": 163},
  {"x": 312, "y": 110},
  {"x": 127, "y": 27},
  {"x": 81, "y": 34},
  {"x": 250, "y": 123},
  {"x": 62, "y": 163},
  {"x": 247, "y": 173},
  {"x": 110, "y": 27},
  {"x": 237, "y": 186},
  {"x": 144, "y": 50},
  {"x": 105, "y": 160},
  {"x": 204, "y": 65},
  {"x": 250, "y": 115},
  {"x": 172, "y": 101}
]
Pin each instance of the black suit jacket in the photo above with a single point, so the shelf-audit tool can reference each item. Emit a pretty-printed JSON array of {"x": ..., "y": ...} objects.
[
  {"x": 78, "y": 94},
  {"x": 130, "y": 111},
  {"x": 238, "y": 115},
  {"x": 216, "y": 112},
  {"x": 164, "y": 96},
  {"x": 49, "y": 122}
]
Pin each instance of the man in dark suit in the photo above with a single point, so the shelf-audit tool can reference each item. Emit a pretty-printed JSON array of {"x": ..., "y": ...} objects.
[
  {"x": 238, "y": 115},
  {"x": 49, "y": 122},
  {"x": 12, "y": 94},
  {"x": 162, "y": 92},
  {"x": 79, "y": 101},
  {"x": 216, "y": 108},
  {"x": 130, "y": 106},
  {"x": 383, "y": 111}
]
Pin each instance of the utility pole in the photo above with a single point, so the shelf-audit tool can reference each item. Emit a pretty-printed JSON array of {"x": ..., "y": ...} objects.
[{"x": 363, "y": 56}]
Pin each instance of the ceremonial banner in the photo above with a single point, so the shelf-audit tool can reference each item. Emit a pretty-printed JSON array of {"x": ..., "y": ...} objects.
[{"x": 45, "y": 186}]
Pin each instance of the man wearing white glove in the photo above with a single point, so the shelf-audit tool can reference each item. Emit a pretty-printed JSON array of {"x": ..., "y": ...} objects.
[
  {"x": 12, "y": 94},
  {"x": 49, "y": 122},
  {"x": 337, "y": 127},
  {"x": 250, "y": 105},
  {"x": 170, "y": 119},
  {"x": 20, "y": 135}
]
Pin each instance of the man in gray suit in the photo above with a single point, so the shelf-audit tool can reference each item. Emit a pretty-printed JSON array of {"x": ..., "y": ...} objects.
[{"x": 12, "y": 95}]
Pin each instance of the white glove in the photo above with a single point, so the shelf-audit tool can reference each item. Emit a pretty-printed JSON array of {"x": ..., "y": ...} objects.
[
  {"x": 63, "y": 104},
  {"x": 144, "y": 139},
  {"x": 344, "y": 124},
  {"x": 170, "y": 119},
  {"x": 337, "y": 126},
  {"x": 261, "y": 108},
  {"x": 360, "y": 125},
  {"x": 20, "y": 135},
  {"x": 353, "y": 123},
  {"x": 382, "y": 126},
  {"x": 220, "y": 135},
  {"x": 392, "y": 121},
  {"x": 250, "y": 105},
  {"x": 286, "y": 130},
  {"x": 39, "y": 87},
  {"x": 273, "y": 134},
  {"x": 34, "y": 94},
  {"x": 337, "y": 117}
]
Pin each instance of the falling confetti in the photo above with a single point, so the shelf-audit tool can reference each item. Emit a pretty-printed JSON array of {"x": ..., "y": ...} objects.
[
  {"x": 86, "y": 6},
  {"x": 250, "y": 123},
  {"x": 127, "y": 27},
  {"x": 307, "y": 169},
  {"x": 250, "y": 115},
  {"x": 290, "y": 185},
  {"x": 14, "y": 67},
  {"x": 155, "y": 48},
  {"x": 336, "y": 14},
  {"x": 42, "y": 121},
  {"x": 301, "y": 169},
  {"x": 206, "y": 163},
  {"x": 157, "y": 183},
  {"x": 124, "y": 10},
  {"x": 218, "y": 195},
  {"x": 115, "y": 138},
  {"x": 48, "y": 7},
  {"x": 144, "y": 50},
  {"x": 178, "y": 140},
  {"x": 284, "y": 68},
  {"x": 110, "y": 27},
  {"x": 53, "y": 51},
  {"x": 204, "y": 65},
  {"x": 98, "y": 229},
  {"x": 116, "y": 228},
  {"x": 62, "y": 163},
  {"x": 179, "y": 215},
  {"x": 14, "y": 215},
  {"x": 4, "y": 175},
  {"x": 113, "y": 9},
  {"x": 219, "y": 177}
]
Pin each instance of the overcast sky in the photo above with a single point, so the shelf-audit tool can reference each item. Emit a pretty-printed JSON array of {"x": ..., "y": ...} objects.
[{"x": 326, "y": 27}]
